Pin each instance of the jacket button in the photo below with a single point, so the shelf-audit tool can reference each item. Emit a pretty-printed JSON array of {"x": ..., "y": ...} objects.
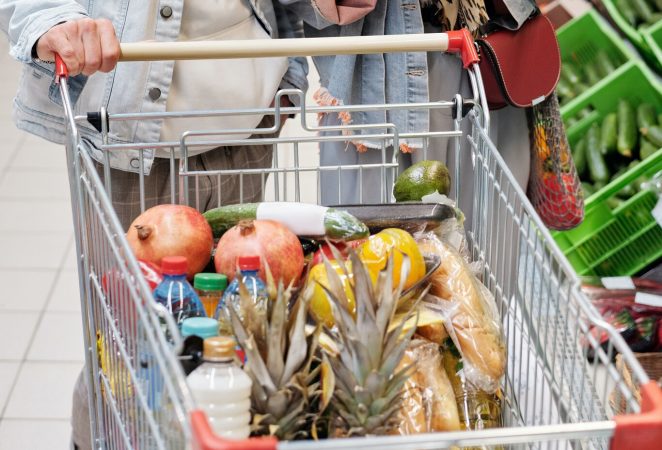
[
  {"x": 166, "y": 12},
  {"x": 135, "y": 163},
  {"x": 154, "y": 93}
]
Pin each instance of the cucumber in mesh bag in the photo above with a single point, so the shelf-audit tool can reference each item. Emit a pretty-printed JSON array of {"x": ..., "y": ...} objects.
[{"x": 302, "y": 219}]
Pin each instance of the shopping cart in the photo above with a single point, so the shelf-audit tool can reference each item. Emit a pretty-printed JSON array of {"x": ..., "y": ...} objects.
[{"x": 553, "y": 396}]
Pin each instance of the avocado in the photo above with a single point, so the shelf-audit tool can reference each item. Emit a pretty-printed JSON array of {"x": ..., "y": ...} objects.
[{"x": 422, "y": 178}]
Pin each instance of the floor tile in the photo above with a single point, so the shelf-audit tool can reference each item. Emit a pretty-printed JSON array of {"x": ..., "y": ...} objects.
[
  {"x": 8, "y": 371},
  {"x": 37, "y": 153},
  {"x": 43, "y": 391},
  {"x": 66, "y": 295},
  {"x": 18, "y": 215},
  {"x": 35, "y": 434},
  {"x": 35, "y": 185},
  {"x": 15, "y": 296},
  {"x": 59, "y": 337},
  {"x": 33, "y": 251},
  {"x": 16, "y": 329}
]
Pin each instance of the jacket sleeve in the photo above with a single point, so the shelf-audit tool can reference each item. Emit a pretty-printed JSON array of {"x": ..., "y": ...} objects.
[
  {"x": 290, "y": 26},
  {"x": 25, "y": 21}
]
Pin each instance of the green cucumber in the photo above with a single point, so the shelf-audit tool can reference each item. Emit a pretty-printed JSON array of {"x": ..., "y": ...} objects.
[
  {"x": 659, "y": 119},
  {"x": 658, "y": 5},
  {"x": 592, "y": 74},
  {"x": 643, "y": 10},
  {"x": 604, "y": 65},
  {"x": 627, "y": 12},
  {"x": 646, "y": 148},
  {"x": 564, "y": 90},
  {"x": 570, "y": 73},
  {"x": 654, "y": 135},
  {"x": 596, "y": 163},
  {"x": 609, "y": 134},
  {"x": 627, "y": 129},
  {"x": 588, "y": 189},
  {"x": 645, "y": 116},
  {"x": 614, "y": 202},
  {"x": 655, "y": 18},
  {"x": 301, "y": 218},
  {"x": 579, "y": 156}
]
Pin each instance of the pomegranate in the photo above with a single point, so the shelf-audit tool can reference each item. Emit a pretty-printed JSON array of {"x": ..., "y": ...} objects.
[
  {"x": 172, "y": 230},
  {"x": 270, "y": 240}
]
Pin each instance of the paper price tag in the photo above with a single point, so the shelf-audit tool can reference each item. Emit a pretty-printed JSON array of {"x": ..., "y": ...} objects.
[
  {"x": 657, "y": 212},
  {"x": 618, "y": 283},
  {"x": 648, "y": 299}
]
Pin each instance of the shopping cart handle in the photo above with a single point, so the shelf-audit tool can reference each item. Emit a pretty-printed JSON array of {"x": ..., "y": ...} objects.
[
  {"x": 641, "y": 431},
  {"x": 205, "y": 439},
  {"x": 461, "y": 41},
  {"x": 61, "y": 70}
]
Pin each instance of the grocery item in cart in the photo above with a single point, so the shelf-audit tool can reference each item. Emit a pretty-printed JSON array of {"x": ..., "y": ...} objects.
[
  {"x": 471, "y": 312},
  {"x": 194, "y": 331},
  {"x": 222, "y": 389},
  {"x": 175, "y": 293},
  {"x": 210, "y": 287},
  {"x": 248, "y": 281},
  {"x": 421, "y": 179}
]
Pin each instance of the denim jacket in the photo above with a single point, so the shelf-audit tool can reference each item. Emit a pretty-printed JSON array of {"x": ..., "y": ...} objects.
[{"x": 131, "y": 87}]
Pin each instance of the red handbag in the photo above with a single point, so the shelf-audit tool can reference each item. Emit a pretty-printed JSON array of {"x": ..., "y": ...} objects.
[{"x": 520, "y": 67}]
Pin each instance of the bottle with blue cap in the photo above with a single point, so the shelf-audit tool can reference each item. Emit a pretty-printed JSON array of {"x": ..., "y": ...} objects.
[{"x": 194, "y": 331}]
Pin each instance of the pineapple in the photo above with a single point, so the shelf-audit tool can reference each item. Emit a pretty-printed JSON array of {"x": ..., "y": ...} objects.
[
  {"x": 280, "y": 359},
  {"x": 367, "y": 382}
]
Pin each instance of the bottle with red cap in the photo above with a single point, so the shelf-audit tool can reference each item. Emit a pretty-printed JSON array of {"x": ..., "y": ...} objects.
[
  {"x": 176, "y": 293},
  {"x": 249, "y": 266}
]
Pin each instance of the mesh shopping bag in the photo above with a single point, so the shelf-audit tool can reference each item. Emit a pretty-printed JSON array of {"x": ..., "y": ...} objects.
[{"x": 554, "y": 187}]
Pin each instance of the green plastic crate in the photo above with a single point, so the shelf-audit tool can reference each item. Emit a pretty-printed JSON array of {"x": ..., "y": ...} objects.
[
  {"x": 633, "y": 34},
  {"x": 653, "y": 38},
  {"x": 582, "y": 38},
  {"x": 627, "y": 239}
]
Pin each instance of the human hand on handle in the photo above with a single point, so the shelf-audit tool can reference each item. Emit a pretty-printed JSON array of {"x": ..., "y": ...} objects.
[{"x": 86, "y": 45}]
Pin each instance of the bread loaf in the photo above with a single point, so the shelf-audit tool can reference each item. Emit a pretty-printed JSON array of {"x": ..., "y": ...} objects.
[{"x": 475, "y": 320}]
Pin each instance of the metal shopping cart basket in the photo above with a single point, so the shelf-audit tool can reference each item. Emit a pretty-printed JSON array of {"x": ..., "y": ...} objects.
[{"x": 554, "y": 397}]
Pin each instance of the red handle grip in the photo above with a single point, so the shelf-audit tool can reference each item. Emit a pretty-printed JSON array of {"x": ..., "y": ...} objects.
[
  {"x": 61, "y": 70},
  {"x": 461, "y": 41},
  {"x": 205, "y": 439},
  {"x": 641, "y": 431}
]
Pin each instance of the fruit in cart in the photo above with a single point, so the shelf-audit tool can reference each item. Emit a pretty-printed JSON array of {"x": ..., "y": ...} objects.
[
  {"x": 276, "y": 245},
  {"x": 320, "y": 307},
  {"x": 562, "y": 202},
  {"x": 167, "y": 230},
  {"x": 302, "y": 219},
  {"x": 421, "y": 179},
  {"x": 377, "y": 250},
  {"x": 281, "y": 361},
  {"x": 368, "y": 350}
]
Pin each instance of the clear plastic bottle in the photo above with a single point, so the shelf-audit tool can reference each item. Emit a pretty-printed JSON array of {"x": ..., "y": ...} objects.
[
  {"x": 222, "y": 389},
  {"x": 175, "y": 292},
  {"x": 210, "y": 287},
  {"x": 249, "y": 267}
]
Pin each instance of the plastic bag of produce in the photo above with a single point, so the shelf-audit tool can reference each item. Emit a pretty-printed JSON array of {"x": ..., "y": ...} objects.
[
  {"x": 472, "y": 317},
  {"x": 554, "y": 186}
]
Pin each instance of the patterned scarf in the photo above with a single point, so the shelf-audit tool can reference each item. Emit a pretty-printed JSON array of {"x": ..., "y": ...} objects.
[{"x": 455, "y": 14}]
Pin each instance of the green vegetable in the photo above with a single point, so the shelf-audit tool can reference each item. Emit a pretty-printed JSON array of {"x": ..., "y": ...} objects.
[
  {"x": 592, "y": 74},
  {"x": 421, "y": 179},
  {"x": 643, "y": 10},
  {"x": 658, "y": 5},
  {"x": 570, "y": 73},
  {"x": 604, "y": 64},
  {"x": 654, "y": 135},
  {"x": 588, "y": 189},
  {"x": 585, "y": 112},
  {"x": 659, "y": 119},
  {"x": 627, "y": 12},
  {"x": 655, "y": 18},
  {"x": 301, "y": 218},
  {"x": 627, "y": 191},
  {"x": 645, "y": 116},
  {"x": 646, "y": 148},
  {"x": 564, "y": 90},
  {"x": 614, "y": 202},
  {"x": 627, "y": 129},
  {"x": 596, "y": 164},
  {"x": 579, "y": 156},
  {"x": 609, "y": 135}
]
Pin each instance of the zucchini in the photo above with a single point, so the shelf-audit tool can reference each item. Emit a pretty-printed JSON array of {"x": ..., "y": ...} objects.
[
  {"x": 654, "y": 135},
  {"x": 645, "y": 116},
  {"x": 596, "y": 163},
  {"x": 604, "y": 65},
  {"x": 301, "y": 218},
  {"x": 579, "y": 156},
  {"x": 646, "y": 148},
  {"x": 564, "y": 90},
  {"x": 614, "y": 202},
  {"x": 609, "y": 135},
  {"x": 592, "y": 74},
  {"x": 588, "y": 189},
  {"x": 627, "y": 129},
  {"x": 627, "y": 12},
  {"x": 570, "y": 73},
  {"x": 642, "y": 9}
]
